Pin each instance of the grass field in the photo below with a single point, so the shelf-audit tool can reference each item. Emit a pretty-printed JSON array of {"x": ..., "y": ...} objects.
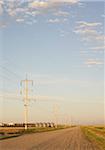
[{"x": 95, "y": 134}]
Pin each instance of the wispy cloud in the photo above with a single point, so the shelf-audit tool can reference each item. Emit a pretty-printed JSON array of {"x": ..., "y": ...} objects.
[
  {"x": 51, "y": 3},
  {"x": 83, "y": 24},
  {"x": 62, "y": 13},
  {"x": 31, "y": 8},
  {"x": 89, "y": 31},
  {"x": 20, "y": 20},
  {"x": 91, "y": 34},
  {"x": 98, "y": 48},
  {"x": 38, "y": 4},
  {"x": 64, "y": 1},
  {"x": 57, "y": 20},
  {"x": 94, "y": 62}
]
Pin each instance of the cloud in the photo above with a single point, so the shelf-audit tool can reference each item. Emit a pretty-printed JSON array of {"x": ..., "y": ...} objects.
[
  {"x": 50, "y": 3},
  {"x": 89, "y": 31},
  {"x": 33, "y": 13},
  {"x": 65, "y": 1},
  {"x": 98, "y": 48},
  {"x": 38, "y": 4},
  {"x": 93, "y": 62},
  {"x": 83, "y": 24},
  {"x": 57, "y": 20},
  {"x": 62, "y": 13},
  {"x": 31, "y": 8},
  {"x": 11, "y": 12},
  {"x": 54, "y": 20},
  {"x": 20, "y": 20},
  {"x": 81, "y": 4},
  {"x": 86, "y": 32}
]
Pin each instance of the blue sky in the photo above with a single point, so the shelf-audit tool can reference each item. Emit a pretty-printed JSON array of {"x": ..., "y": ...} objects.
[{"x": 60, "y": 45}]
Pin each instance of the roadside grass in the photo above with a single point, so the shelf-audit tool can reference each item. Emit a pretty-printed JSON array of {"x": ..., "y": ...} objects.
[
  {"x": 45, "y": 129},
  {"x": 100, "y": 127},
  {"x": 10, "y": 134},
  {"x": 14, "y": 133},
  {"x": 99, "y": 130},
  {"x": 93, "y": 135}
]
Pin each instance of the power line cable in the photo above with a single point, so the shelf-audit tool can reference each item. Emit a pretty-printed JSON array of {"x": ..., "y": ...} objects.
[
  {"x": 10, "y": 72},
  {"x": 11, "y": 62},
  {"x": 7, "y": 78}
]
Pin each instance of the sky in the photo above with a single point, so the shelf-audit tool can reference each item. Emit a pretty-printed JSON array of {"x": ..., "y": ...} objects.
[{"x": 60, "y": 45}]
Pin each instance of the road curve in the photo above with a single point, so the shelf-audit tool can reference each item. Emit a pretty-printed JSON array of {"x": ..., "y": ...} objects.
[{"x": 65, "y": 139}]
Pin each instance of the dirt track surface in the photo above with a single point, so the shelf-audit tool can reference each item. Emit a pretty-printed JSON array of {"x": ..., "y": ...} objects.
[{"x": 66, "y": 139}]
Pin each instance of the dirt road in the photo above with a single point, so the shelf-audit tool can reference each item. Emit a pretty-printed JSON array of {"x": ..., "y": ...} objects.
[{"x": 66, "y": 139}]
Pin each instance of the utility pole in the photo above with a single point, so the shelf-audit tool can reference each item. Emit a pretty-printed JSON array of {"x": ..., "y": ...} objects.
[{"x": 25, "y": 92}]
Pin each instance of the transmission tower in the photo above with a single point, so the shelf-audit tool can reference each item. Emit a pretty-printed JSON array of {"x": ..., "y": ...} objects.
[{"x": 25, "y": 92}]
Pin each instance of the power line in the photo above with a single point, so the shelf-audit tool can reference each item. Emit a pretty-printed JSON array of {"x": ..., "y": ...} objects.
[
  {"x": 11, "y": 62},
  {"x": 10, "y": 71},
  {"x": 4, "y": 77}
]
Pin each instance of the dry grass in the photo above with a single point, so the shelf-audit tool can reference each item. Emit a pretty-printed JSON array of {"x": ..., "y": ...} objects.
[
  {"x": 11, "y": 129},
  {"x": 96, "y": 134}
]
